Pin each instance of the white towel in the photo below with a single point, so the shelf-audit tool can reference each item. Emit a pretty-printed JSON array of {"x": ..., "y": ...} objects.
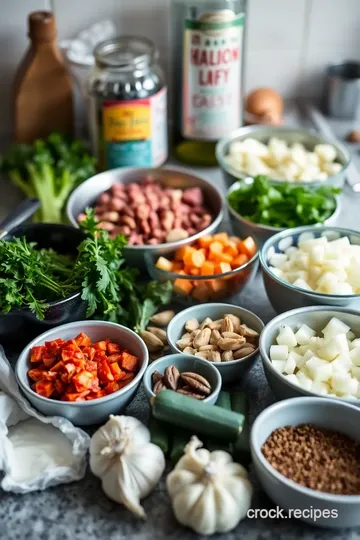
[{"x": 36, "y": 451}]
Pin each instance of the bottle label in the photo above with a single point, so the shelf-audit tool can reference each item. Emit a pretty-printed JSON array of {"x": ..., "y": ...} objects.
[
  {"x": 212, "y": 66},
  {"x": 135, "y": 132}
]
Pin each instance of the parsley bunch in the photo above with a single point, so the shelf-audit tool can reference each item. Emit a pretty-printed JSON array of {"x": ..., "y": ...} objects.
[{"x": 31, "y": 278}]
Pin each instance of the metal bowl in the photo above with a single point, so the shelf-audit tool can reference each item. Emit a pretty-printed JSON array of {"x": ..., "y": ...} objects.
[
  {"x": 243, "y": 227},
  {"x": 290, "y": 135},
  {"x": 329, "y": 510},
  {"x": 317, "y": 318},
  {"x": 94, "y": 411},
  {"x": 283, "y": 295},
  {"x": 21, "y": 325},
  {"x": 87, "y": 193}
]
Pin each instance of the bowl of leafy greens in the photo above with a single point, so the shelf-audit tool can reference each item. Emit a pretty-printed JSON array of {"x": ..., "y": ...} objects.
[
  {"x": 260, "y": 209},
  {"x": 51, "y": 274}
]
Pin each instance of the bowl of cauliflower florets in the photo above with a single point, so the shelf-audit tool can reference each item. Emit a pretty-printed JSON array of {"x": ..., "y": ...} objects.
[{"x": 283, "y": 155}]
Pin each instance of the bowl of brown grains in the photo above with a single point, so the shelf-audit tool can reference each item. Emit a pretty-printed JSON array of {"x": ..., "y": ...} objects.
[
  {"x": 306, "y": 454},
  {"x": 185, "y": 374}
]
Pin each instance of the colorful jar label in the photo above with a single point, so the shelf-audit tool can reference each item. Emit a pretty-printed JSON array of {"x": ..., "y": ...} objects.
[
  {"x": 212, "y": 67},
  {"x": 135, "y": 132}
]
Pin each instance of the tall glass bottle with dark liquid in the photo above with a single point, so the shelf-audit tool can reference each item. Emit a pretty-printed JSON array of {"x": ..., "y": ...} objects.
[{"x": 208, "y": 50}]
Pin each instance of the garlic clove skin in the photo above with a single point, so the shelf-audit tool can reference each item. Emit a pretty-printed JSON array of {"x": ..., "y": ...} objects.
[
  {"x": 128, "y": 464},
  {"x": 209, "y": 492}
]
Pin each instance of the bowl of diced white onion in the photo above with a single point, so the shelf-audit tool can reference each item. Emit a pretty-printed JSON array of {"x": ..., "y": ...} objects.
[
  {"x": 314, "y": 265},
  {"x": 283, "y": 155},
  {"x": 313, "y": 351}
]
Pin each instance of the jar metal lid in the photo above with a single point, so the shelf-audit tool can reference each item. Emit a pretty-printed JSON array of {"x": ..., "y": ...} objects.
[{"x": 125, "y": 53}]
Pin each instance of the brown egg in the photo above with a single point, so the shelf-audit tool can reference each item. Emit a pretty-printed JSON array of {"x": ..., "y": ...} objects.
[{"x": 265, "y": 102}]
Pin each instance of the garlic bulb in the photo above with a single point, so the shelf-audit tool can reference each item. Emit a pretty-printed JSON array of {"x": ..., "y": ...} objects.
[
  {"x": 128, "y": 464},
  {"x": 209, "y": 492}
]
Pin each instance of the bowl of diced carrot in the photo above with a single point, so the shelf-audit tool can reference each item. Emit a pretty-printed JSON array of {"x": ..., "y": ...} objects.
[
  {"x": 213, "y": 268},
  {"x": 83, "y": 371}
]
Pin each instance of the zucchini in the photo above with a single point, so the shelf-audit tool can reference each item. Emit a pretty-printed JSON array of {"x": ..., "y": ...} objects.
[
  {"x": 198, "y": 417},
  {"x": 241, "y": 448},
  {"x": 159, "y": 434},
  {"x": 213, "y": 443},
  {"x": 180, "y": 440}
]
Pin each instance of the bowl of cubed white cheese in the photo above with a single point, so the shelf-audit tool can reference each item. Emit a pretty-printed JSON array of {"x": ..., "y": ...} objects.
[
  {"x": 314, "y": 265},
  {"x": 283, "y": 155},
  {"x": 313, "y": 351}
]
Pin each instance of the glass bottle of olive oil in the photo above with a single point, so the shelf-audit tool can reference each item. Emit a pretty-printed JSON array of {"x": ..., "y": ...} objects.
[{"x": 207, "y": 68}]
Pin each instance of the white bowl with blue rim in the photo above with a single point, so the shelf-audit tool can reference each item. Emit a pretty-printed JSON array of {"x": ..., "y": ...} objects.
[{"x": 284, "y": 295}]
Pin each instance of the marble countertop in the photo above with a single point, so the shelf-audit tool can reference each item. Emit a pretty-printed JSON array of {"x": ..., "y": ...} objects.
[{"x": 80, "y": 511}]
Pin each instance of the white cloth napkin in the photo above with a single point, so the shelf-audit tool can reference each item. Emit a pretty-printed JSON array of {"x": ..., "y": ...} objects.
[{"x": 32, "y": 455}]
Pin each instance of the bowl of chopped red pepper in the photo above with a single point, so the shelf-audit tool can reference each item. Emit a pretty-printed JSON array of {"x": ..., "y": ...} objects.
[{"x": 83, "y": 371}]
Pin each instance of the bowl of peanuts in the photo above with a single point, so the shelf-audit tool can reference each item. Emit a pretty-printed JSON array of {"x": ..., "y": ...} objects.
[
  {"x": 225, "y": 335},
  {"x": 157, "y": 210},
  {"x": 213, "y": 268},
  {"x": 305, "y": 453}
]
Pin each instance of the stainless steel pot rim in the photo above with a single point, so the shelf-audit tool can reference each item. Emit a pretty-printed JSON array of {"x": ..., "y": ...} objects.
[
  {"x": 299, "y": 230},
  {"x": 221, "y": 147},
  {"x": 84, "y": 404},
  {"x": 299, "y": 401}
]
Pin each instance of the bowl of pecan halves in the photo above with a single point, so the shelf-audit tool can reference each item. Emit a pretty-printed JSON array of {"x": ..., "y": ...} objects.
[{"x": 184, "y": 374}]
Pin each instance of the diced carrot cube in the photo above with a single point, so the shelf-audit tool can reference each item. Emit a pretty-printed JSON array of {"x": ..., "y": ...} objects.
[
  {"x": 114, "y": 358},
  {"x": 129, "y": 361},
  {"x": 179, "y": 253},
  {"x": 71, "y": 353},
  {"x": 247, "y": 246},
  {"x": 222, "y": 268},
  {"x": 82, "y": 340},
  {"x": 117, "y": 371},
  {"x": 37, "y": 353},
  {"x": 104, "y": 372},
  {"x": 44, "y": 389},
  {"x": 83, "y": 380},
  {"x": 59, "y": 366},
  {"x": 239, "y": 260},
  {"x": 222, "y": 237},
  {"x": 113, "y": 348},
  {"x": 125, "y": 380},
  {"x": 111, "y": 387},
  {"x": 182, "y": 286},
  {"x": 49, "y": 376},
  {"x": 49, "y": 361},
  {"x": 164, "y": 264},
  {"x": 100, "y": 345},
  {"x": 35, "y": 374},
  {"x": 201, "y": 292},
  {"x": 231, "y": 249},
  {"x": 194, "y": 272},
  {"x": 188, "y": 261},
  {"x": 224, "y": 257},
  {"x": 205, "y": 241},
  {"x": 217, "y": 285},
  {"x": 177, "y": 266},
  {"x": 89, "y": 352},
  {"x": 208, "y": 268},
  {"x": 59, "y": 386},
  {"x": 54, "y": 346}
]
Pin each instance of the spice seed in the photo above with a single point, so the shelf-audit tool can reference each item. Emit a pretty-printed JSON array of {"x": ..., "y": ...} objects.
[{"x": 319, "y": 459}]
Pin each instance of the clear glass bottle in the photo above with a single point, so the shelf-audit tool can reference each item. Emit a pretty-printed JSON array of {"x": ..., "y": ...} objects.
[
  {"x": 208, "y": 53},
  {"x": 127, "y": 104}
]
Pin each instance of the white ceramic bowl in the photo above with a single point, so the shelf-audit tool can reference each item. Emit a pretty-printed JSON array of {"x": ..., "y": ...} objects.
[
  {"x": 185, "y": 362},
  {"x": 288, "y": 494},
  {"x": 317, "y": 318},
  {"x": 94, "y": 411},
  {"x": 284, "y": 295},
  {"x": 229, "y": 371}
]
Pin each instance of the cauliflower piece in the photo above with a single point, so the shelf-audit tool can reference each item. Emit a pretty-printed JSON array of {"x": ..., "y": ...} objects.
[{"x": 326, "y": 152}]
